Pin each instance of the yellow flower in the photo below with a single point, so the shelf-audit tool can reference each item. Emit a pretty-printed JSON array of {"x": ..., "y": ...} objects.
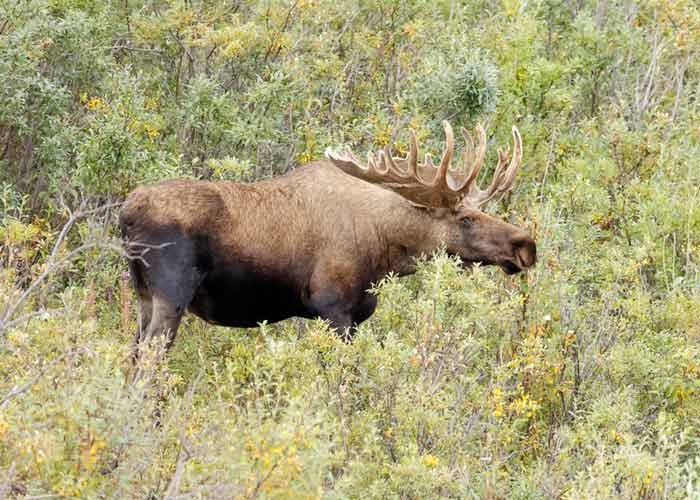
[
  {"x": 304, "y": 158},
  {"x": 409, "y": 29},
  {"x": 150, "y": 130},
  {"x": 431, "y": 461},
  {"x": 89, "y": 454},
  {"x": 95, "y": 103}
]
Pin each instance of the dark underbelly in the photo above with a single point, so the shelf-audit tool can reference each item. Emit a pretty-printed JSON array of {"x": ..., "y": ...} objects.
[{"x": 231, "y": 299}]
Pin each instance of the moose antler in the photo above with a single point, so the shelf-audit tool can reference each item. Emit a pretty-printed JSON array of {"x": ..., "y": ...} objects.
[{"x": 427, "y": 185}]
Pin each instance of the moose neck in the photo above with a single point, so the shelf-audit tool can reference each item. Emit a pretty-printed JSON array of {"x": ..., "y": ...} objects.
[{"x": 412, "y": 233}]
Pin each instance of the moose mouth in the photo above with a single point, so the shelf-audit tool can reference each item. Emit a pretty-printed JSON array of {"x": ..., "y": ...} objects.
[{"x": 508, "y": 266}]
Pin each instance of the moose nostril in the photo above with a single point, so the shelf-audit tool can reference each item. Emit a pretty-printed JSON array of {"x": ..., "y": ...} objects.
[{"x": 526, "y": 251}]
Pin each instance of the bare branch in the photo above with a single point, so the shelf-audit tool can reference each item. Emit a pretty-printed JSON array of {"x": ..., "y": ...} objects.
[
  {"x": 16, "y": 391},
  {"x": 185, "y": 446},
  {"x": 50, "y": 267},
  {"x": 52, "y": 264},
  {"x": 145, "y": 248},
  {"x": 6, "y": 487},
  {"x": 262, "y": 481},
  {"x": 28, "y": 316}
]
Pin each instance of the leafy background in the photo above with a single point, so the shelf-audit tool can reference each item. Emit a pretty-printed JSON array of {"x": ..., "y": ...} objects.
[{"x": 579, "y": 378}]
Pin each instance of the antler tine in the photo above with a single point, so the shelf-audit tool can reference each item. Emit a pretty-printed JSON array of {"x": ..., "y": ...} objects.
[
  {"x": 390, "y": 164},
  {"x": 515, "y": 162},
  {"x": 347, "y": 155},
  {"x": 441, "y": 174},
  {"x": 480, "y": 154},
  {"x": 381, "y": 167},
  {"x": 503, "y": 176},
  {"x": 371, "y": 162},
  {"x": 413, "y": 156},
  {"x": 424, "y": 184},
  {"x": 484, "y": 196},
  {"x": 473, "y": 157},
  {"x": 468, "y": 141},
  {"x": 468, "y": 149}
]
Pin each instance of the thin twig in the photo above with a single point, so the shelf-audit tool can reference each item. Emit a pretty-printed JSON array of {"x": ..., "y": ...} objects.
[
  {"x": 146, "y": 247},
  {"x": 16, "y": 391},
  {"x": 133, "y": 49},
  {"x": 185, "y": 446},
  {"x": 262, "y": 481},
  {"x": 51, "y": 264},
  {"x": 28, "y": 316},
  {"x": 6, "y": 487},
  {"x": 50, "y": 268}
]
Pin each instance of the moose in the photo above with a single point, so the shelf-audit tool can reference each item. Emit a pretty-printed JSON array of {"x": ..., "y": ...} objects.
[{"x": 312, "y": 242}]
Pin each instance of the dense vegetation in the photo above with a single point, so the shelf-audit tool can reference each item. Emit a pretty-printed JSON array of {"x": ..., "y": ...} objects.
[{"x": 579, "y": 378}]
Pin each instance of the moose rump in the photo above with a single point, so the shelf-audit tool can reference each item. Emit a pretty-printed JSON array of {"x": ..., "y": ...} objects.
[{"x": 236, "y": 256}]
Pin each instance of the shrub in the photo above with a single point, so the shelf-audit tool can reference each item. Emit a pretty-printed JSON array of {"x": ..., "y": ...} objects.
[{"x": 579, "y": 378}]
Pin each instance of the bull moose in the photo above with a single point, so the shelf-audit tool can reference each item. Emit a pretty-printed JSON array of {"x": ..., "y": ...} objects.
[{"x": 312, "y": 242}]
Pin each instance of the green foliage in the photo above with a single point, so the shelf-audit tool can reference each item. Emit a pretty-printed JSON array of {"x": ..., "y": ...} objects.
[
  {"x": 459, "y": 89},
  {"x": 475, "y": 90},
  {"x": 579, "y": 379}
]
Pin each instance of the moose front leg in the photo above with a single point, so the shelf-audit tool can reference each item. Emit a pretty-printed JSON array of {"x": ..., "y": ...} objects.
[
  {"x": 364, "y": 308},
  {"x": 336, "y": 294},
  {"x": 344, "y": 315},
  {"x": 329, "y": 304},
  {"x": 343, "y": 325}
]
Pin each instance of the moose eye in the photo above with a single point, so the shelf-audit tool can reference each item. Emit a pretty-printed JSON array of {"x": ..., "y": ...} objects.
[{"x": 467, "y": 222}]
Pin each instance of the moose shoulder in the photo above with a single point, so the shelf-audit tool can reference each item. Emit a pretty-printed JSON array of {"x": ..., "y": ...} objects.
[{"x": 311, "y": 243}]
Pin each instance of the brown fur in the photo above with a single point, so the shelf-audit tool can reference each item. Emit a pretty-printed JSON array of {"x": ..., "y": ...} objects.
[{"x": 306, "y": 244}]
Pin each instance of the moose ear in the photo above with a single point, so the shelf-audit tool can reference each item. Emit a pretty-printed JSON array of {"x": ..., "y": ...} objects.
[
  {"x": 417, "y": 205},
  {"x": 434, "y": 212}
]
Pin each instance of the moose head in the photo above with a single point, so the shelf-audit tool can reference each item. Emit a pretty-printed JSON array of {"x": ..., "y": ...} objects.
[{"x": 452, "y": 197}]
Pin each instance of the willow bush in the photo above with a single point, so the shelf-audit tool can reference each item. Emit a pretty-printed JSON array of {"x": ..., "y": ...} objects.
[{"x": 578, "y": 378}]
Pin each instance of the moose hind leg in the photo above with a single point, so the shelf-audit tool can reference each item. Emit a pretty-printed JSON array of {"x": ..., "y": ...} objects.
[
  {"x": 145, "y": 306},
  {"x": 340, "y": 300},
  {"x": 170, "y": 300},
  {"x": 144, "y": 321},
  {"x": 167, "y": 314},
  {"x": 173, "y": 278},
  {"x": 346, "y": 319},
  {"x": 342, "y": 323}
]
